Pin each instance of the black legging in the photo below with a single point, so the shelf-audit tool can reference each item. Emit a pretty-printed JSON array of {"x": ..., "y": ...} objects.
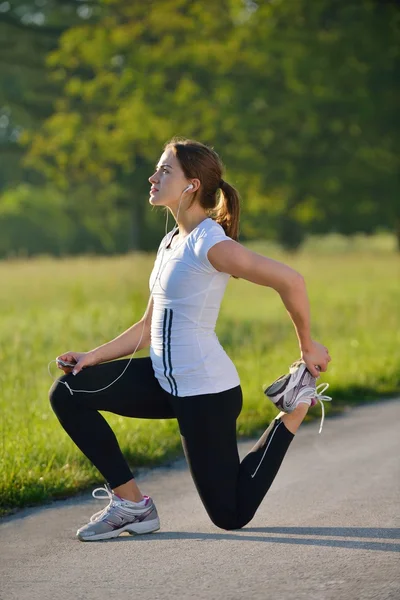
[{"x": 230, "y": 490}]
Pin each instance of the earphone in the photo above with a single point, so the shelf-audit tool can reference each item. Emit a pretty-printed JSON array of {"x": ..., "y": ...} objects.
[{"x": 71, "y": 391}]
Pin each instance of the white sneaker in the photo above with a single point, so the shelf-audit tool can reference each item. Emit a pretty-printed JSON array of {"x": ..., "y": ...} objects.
[
  {"x": 119, "y": 516},
  {"x": 297, "y": 387}
]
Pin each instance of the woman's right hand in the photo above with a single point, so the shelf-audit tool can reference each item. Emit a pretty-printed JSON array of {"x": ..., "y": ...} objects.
[
  {"x": 81, "y": 360},
  {"x": 316, "y": 356}
]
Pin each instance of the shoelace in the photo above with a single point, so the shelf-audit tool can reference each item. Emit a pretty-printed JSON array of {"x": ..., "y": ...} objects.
[
  {"x": 320, "y": 389},
  {"x": 108, "y": 495},
  {"x": 113, "y": 501}
]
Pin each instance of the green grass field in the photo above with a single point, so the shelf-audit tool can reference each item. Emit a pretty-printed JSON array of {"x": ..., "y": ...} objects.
[{"x": 50, "y": 306}]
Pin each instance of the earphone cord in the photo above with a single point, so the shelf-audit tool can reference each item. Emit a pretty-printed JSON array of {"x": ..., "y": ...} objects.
[{"x": 71, "y": 391}]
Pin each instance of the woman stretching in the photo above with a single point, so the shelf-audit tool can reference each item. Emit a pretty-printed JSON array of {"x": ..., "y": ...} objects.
[{"x": 188, "y": 375}]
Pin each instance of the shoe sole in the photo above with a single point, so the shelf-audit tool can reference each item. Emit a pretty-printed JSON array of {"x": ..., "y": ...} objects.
[
  {"x": 280, "y": 386},
  {"x": 131, "y": 528}
]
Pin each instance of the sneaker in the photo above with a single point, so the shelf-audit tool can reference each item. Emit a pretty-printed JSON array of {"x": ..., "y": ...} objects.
[
  {"x": 297, "y": 387},
  {"x": 118, "y": 516}
]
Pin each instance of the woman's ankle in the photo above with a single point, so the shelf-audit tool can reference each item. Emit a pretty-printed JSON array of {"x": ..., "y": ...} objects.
[
  {"x": 293, "y": 420},
  {"x": 129, "y": 491}
]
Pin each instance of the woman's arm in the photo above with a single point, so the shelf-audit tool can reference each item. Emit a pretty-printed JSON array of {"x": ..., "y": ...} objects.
[
  {"x": 125, "y": 344},
  {"x": 233, "y": 258}
]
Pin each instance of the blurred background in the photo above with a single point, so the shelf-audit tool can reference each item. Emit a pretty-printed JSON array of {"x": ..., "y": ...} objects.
[{"x": 299, "y": 98}]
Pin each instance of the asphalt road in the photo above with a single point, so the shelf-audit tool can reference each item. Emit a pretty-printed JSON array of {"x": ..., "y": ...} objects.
[{"x": 328, "y": 529}]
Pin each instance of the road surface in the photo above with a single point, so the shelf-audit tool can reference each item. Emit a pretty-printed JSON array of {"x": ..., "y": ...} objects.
[{"x": 327, "y": 530}]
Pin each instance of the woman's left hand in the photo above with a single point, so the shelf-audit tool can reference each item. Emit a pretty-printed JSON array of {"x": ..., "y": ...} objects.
[{"x": 316, "y": 357}]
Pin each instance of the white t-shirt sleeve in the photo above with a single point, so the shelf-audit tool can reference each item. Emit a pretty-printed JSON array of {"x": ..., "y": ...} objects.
[{"x": 207, "y": 240}]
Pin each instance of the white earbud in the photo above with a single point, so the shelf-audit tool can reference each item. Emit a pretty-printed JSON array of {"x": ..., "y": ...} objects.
[{"x": 189, "y": 187}]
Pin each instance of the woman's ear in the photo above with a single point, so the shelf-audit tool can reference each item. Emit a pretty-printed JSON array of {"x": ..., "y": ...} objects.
[{"x": 196, "y": 184}]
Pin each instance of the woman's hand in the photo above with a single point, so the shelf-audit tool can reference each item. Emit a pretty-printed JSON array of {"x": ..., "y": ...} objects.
[
  {"x": 316, "y": 356},
  {"x": 81, "y": 360}
]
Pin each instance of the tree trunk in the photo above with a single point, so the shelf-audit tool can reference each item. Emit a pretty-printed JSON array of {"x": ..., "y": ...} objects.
[{"x": 290, "y": 232}]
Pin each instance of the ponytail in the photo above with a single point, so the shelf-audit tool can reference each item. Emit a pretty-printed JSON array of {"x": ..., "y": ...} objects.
[{"x": 227, "y": 211}]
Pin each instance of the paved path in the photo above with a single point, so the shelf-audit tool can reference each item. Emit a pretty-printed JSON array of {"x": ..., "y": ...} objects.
[{"x": 328, "y": 529}]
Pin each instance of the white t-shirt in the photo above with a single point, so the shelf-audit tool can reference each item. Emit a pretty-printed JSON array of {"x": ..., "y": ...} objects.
[{"x": 186, "y": 354}]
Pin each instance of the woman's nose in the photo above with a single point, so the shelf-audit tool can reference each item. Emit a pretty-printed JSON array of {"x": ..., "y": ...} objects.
[{"x": 152, "y": 178}]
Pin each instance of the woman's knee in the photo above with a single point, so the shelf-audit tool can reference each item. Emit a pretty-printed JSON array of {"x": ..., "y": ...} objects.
[
  {"x": 227, "y": 522},
  {"x": 226, "y": 519},
  {"x": 58, "y": 394}
]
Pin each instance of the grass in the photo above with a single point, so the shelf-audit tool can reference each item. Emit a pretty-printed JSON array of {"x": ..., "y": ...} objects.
[{"x": 48, "y": 306}]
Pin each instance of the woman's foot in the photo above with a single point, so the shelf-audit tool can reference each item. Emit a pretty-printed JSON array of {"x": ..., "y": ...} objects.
[
  {"x": 118, "y": 516},
  {"x": 295, "y": 388}
]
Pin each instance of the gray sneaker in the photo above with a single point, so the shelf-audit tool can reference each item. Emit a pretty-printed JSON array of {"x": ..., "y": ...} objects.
[
  {"x": 296, "y": 387},
  {"x": 118, "y": 516}
]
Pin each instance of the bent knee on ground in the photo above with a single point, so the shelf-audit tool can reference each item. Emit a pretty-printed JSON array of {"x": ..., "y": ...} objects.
[
  {"x": 227, "y": 524},
  {"x": 227, "y": 520}
]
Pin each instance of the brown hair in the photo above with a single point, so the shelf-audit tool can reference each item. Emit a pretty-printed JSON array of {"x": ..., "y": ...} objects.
[{"x": 215, "y": 195}]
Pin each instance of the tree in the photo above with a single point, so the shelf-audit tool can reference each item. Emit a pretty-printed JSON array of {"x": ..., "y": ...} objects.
[
  {"x": 129, "y": 81},
  {"x": 28, "y": 32},
  {"x": 289, "y": 91},
  {"x": 323, "y": 107}
]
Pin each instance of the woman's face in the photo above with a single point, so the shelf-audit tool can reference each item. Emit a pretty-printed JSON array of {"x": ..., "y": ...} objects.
[{"x": 168, "y": 181}]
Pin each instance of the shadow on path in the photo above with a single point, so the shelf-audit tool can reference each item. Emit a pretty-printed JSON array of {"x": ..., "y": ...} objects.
[
  {"x": 357, "y": 532},
  {"x": 392, "y": 533}
]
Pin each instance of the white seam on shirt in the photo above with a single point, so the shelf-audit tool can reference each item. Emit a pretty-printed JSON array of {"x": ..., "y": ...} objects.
[
  {"x": 200, "y": 317},
  {"x": 265, "y": 451},
  {"x": 209, "y": 263},
  {"x": 209, "y": 238}
]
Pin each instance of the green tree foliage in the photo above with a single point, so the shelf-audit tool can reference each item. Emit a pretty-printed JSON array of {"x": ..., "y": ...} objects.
[
  {"x": 29, "y": 30},
  {"x": 143, "y": 74},
  {"x": 324, "y": 88},
  {"x": 298, "y": 97},
  {"x": 42, "y": 220}
]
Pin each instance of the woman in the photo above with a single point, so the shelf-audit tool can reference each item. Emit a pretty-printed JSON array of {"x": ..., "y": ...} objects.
[{"x": 188, "y": 375}]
